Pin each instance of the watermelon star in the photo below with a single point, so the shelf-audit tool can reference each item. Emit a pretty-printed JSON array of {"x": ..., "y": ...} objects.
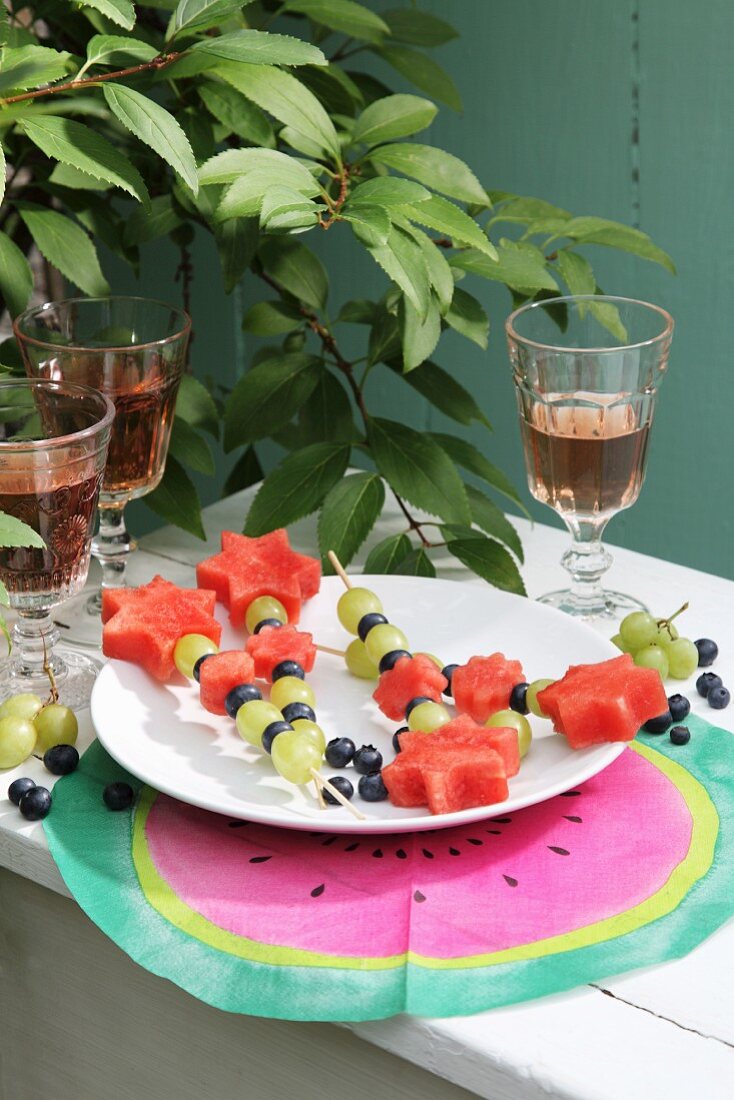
[
  {"x": 143, "y": 624},
  {"x": 248, "y": 568}
]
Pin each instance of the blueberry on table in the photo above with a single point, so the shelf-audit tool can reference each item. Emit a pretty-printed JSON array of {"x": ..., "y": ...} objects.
[
  {"x": 706, "y": 681},
  {"x": 343, "y": 786},
  {"x": 367, "y": 759},
  {"x": 371, "y": 788},
  {"x": 518, "y": 698},
  {"x": 659, "y": 724},
  {"x": 396, "y": 738},
  {"x": 266, "y": 622},
  {"x": 118, "y": 796},
  {"x": 18, "y": 788},
  {"x": 61, "y": 759},
  {"x": 287, "y": 668},
  {"x": 708, "y": 651},
  {"x": 390, "y": 659},
  {"x": 719, "y": 697},
  {"x": 271, "y": 732},
  {"x": 448, "y": 672},
  {"x": 35, "y": 804},
  {"x": 680, "y": 735},
  {"x": 339, "y": 752},
  {"x": 238, "y": 696},
  {"x": 365, "y": 624},
  {"x": 294, "y": 711},
  {"x": 679, "y": 707}
]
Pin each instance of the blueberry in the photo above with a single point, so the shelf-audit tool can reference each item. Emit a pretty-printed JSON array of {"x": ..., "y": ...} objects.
[
  {"x": 658, "y": 724},
  {"x": 679, "y": 707},
  {"x": 518, "y": 698},
  {"x": 367, "y": 759},
  {"x": 390, "y": 659},
  {"x": 35, "y": 803},
  {"x": 271, "y": 732},
  {"x": 18, "y": 788},
  {"x": 416, "y": 702},
  {"x": 238, "y": 696},
  {"x": 267, "y": 622},
  {"x": 371, "y": 788},
  {"x": 448, "y": 672},
  {"x": 396, "y": 738},
  {"x": 339, "y": 752},
  {"x": 118, "y": 796},
  {"x": 292, "y": 711},
  {"x": 61, "y": 759},
  {"x": 719, "y": 697},
  {"x": 198, "y": 663},
  {"x": 706, "y": 681},
  {"x": 343, "y": 786},
  {"x": 287, "y": 668},
  {"x": 680, "y": 735},
  {"x": 708, "y": 651},
  {"x": 365, "y": 624}
]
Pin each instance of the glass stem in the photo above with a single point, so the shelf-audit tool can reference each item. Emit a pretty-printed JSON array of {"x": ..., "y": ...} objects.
[
  {"x": 587, "y": 560},
  {"x": 111, "y": 546},
  {"x": 34, "y": 639}
]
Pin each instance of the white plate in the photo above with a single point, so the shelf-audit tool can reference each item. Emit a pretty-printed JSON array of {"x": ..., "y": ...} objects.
[{"x": 161, "y": 733}]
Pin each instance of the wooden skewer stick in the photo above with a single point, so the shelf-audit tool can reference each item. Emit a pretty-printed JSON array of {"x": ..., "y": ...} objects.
[
  {"x": 333, "y": 652},
  {"x": 319, "y": 796},
  {"x": 337, "y": 795},
  {"x": 341, "y": 572}
]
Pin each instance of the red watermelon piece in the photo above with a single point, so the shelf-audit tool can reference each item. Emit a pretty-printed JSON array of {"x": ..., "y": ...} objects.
[
  {"x": 266, "y": 566},
  {"x": 483, "y": 685},
  {"x": 607, "y": 701},
  {"x": 464, "y": 731},
  {"x": 407, "y": 679},
  {"x": 220, "y": 673},
  {"x": 143, "y": 624},
  {"x": 275, "y": 644},
  {"x": 447, "y": 779}
]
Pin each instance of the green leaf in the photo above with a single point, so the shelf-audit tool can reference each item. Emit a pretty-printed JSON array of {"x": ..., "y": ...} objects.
[
  {"x": 155, "y": 127},
  {"x": 30, "y": 66},
  {"x": 387, "y": 191},
  {"x": 590, "y": 230},
  {"x": 284, "y": 210},
  {"x": 525, "y": 210},
  {"x": 74, "y": 143},
  {"x": 115, "y": 49},
  {"x": 237, "y": 243},
  {"x": 418, "y": 28},
  {"x": 347, "y": 516},
  {"x": 576, "y": 272},
  {"x": 435, "y": 168},
  {"x": 246, "y": 471},
  {"x": 260, "y": 48},
  {"x": 268, "y": 396},
  {"x": 65, "y": 245},
  {"x": 446, "y": 394},
  {"x": 418, "y": 469},
  {"x": 199, "y": 15},
  {"x": 64, "y": 175},
  {"x": 467, "y": 316},
  {"x": 16, "y": 277},
  {"x": 370, "y": 224},
  {"x": 176, "y": 500},
  {"x": 384, "y": 341},
  {"x": 519, "y": 264},
  {"x": 196, "y": 406},
  {"x": 13, "y": 532},
  {"x": 278, "y": 168},
  {"x": 285, "y": 98},
  {"x": 440, "y": 275},
  {"x": 120, "y": 12},
  {"x": 149, "y": 224},
  {"x": 358, "y": 311},
  {"x": 403, "y": 261},
  {"x": 4, "y": 36},
  {"x": 395, "y": 116},
  {"x": 271, "y": 319},
  {"x": 296, "y": 269},
  {"x": 190, "y": 448},
  {"x": 327, "y": 414},
  {"x": 609, "y": 317},
  {"x": 416, "y": 564},
  {"x": 490, "y": 561},
  {"x": 419, "y": 334},
  {"x": 237, "y": 113},
  {"x": 297, "y": 486},
  {"x": 451, "y": 221},
  {"x": 468, "y": 456},
  {"x": 342, "y": 15},
  {"x": 388, "y": 554},
  {"x": 493, "y": 520},
  {"x": 424, "y": 72}
]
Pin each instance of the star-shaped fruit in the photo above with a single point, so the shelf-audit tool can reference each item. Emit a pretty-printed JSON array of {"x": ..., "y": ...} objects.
[
  {"x": 248, "y": 568},
  {"x": 143, "y": 624}
]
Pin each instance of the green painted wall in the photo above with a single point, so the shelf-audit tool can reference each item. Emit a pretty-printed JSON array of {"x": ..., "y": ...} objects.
[{"x": 620, "y": 108}]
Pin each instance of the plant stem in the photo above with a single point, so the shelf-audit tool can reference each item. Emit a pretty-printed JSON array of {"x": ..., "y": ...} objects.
[
  {"x": 157, "y": 63},
  {"x": 336, "y": 204}
]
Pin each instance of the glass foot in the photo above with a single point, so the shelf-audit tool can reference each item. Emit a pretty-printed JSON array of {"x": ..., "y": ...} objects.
[
  {"x": 74, "y": 672},
  {"x": 601, "y": 605},
  {"x": 79, "y": 620}
]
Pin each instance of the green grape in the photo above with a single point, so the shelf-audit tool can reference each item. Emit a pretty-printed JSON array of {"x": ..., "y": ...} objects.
[
  {"x": 311, "y": 730},
  {"x": 427, "y": 717},
  {"x": 188, "y": 650},
  {"x": 26, "y": 705},
  {"x": 17, "y": 740},
  {"x": 55, "y": 725},
  {"x": 294, "y": 755},
  {"x": 653, "y": 656},
  {"x": 289, "y": 689},
  {"x": 432, "y": 657},
  {"x": 638, "y": 629},
  {"x": 682, "y": 658},
  {"x": 532, "y": 697},
  {"x": 515, "y": 721},
  {"x": 264, "y": 607},
  {"x": 383, "y": 639},
  {"x": 353, "y": 604},
  {"x": 666, "y": 635},
  {"x": 359, "y": 662},
  {"x": 620, "y": 643},
  {"x": 253, "y": 717}
]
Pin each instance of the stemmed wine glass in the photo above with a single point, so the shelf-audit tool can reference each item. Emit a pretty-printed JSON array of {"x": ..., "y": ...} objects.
[
  {"x": 134, "y": 351},
  {"x": 586, "y": 397},
  {"x": 53, "y": 448}
]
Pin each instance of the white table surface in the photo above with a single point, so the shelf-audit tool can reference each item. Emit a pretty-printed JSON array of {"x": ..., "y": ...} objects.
[{"x": 663, "y": 1033}]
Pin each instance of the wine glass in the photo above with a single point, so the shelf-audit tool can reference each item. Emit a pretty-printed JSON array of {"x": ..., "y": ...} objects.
[
  {"x": 134, "y": 351},
  {"x": 586, "y": 395},
  {"x": 53, "y": 448}
]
